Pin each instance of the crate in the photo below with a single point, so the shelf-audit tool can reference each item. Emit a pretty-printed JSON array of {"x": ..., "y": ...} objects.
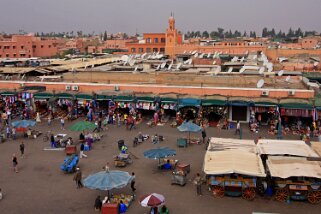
[{"x": 72, "y": 149}]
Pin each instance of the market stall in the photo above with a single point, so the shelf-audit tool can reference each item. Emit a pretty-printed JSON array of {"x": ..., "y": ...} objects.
[{"x": 214, "y": 111}]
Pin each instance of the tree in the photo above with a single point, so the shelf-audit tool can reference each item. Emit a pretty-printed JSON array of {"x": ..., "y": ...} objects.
[
  {"x": 272, "y": 33},
  {"x": 205, "y": 34},
  {"x": 214, "y": 34},
  {"x": 290, "y": 33},
  {"x": 220, "y": 32},
  {"x": 245, "y": 34},
  {"x": 105, "y": 36},
  {"x": 198, "y": 34},
  {"x": 299, "y": 33},
  {"x": 265, "y": 32}
]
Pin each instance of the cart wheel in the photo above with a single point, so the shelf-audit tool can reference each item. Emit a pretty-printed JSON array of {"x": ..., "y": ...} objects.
[
  {"x": 314, "y": 197},
  {"x": 218, "y": 191},
  {"x": 248, "y": 193},
  {"x": 282, "y": 195}
]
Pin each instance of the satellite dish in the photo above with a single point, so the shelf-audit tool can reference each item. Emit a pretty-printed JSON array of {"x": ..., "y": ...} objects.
[
  {"x": 208, "y": 55},
  {"x": 201, "y": 56},
  {"x": 260, "y": 83},
  {"x": 315, "y": 64},
  {"x": 92, "y": 65},
  {"x": 242, "y": 59},
  {"x": 190, "y": 61},
  {"x": 158, "y": 67},
  {"x": 163, "y": 65},
  {"x": 194, "y": 52},
  {"x": 280, "y": 73},
  {"x": 136, "y": 68},
  {"x": 86, "y": 65},
  {"x": 124, "y": 58},
  {"x": 214, "y": 62},
  {"x": 216, "y": 72},
  {"x": 179, "y": 65},
  {"x": 288, "y": 78},
  {"x": 242, "y": 69},
  {"x": 143, "y": 56},
  {"x": 230, "y": 70},
  {"x": 261, "y": 71},
  {"x": 184, "y": 52},
  {"x": 255, "y": 57},
  {"x": 170, "y": 66},
  {"x": 196, "y": 55}
]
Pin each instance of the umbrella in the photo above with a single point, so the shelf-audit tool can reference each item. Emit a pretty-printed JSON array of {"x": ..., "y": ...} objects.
[
  {"x": 82, "y": 125},
  {"x": 107, "y": 180},
  {"x": 159, "y": 153},
  {"x": 23, "y": 123},
  {"x": 21, "y": 129},
  {"x": 189, "y": 127},
  {"x": 152, "y": 200}
]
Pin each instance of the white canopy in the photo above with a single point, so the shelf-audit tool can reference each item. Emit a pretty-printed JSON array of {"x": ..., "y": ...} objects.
[
  {"x": 220, "y": 144},
  {"x": 285, "y": 167},
  {"x": 233, "y": 161},
  {"x": 285, "y": 147}
]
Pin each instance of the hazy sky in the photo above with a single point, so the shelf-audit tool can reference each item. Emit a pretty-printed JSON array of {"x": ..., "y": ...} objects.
[{"x": 152, "y": 15}]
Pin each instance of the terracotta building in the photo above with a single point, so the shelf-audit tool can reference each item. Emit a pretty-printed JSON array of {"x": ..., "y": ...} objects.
[{"x": 26, "y": 46}]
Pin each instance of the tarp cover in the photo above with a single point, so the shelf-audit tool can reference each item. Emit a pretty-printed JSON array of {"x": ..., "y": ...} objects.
[
  {"x": 233, "y": 161},
  {"x": 219, "y": 144},
  {"x": 285, "y": 167},
  {"x": 285, "y": 147}
]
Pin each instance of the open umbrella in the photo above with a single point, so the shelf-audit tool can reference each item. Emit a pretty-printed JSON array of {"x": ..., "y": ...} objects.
[
  {"x": 107, "y": 180},
  {"x": 82, "y": 126},
  {"x": 23, "y": 123},
  {"x": 159, "y": 153},
  {"x": 152, "y": 200},
  {"x": 189, "y": 127}
]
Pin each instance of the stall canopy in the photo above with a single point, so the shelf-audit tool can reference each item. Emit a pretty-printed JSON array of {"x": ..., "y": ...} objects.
[
  {"x": 296, "y": 104},
  {"x": 64, "y": 96},
  {"x": 285, "y": 167},
  {"x": 124, "y": 99},
  {"x": 214, "y": 101},
  {"x": 84, "y": 96},
  {"x": 317, "y": 102},
  {"x": 168, "y": 100},
  {"x": 233, "y": 161},
  {"x": 145, "y": 99},
  {"x": 285, "y": 147},
  {"x": 42, "y": 96},
  {"x": 185, "y": 102},
  {"x": 239, "y": 101},
  {"x": 104, "y": 97},
  {"x": 220, "y": 144},
  {"x": 265, "y": 102},
  {"x": 8, "y": 93}
]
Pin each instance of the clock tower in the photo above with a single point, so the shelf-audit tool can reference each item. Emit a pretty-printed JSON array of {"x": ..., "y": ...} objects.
[{"x": 172, "y": 37}]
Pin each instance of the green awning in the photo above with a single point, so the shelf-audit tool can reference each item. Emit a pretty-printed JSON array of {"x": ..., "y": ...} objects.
[
  {"x": 297, "y": 106},
  {"x": 169, "y": 100},
  {"x": 265, "y": 104},
  {"x": 124, "y": 99},
  {"x": 213, "y": 102},
  {"x": 42, "y": 96},
  {"x": 84, "y": 96},
  {"x": 103, "y": 97},
  {"x": 8, "y": 93},
  {"x": 64, "y": 96},
  {"x": 145, "y": 99}
]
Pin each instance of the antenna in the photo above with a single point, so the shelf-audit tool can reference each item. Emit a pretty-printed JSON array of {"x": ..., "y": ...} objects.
[{"x": 260, "y": 83}]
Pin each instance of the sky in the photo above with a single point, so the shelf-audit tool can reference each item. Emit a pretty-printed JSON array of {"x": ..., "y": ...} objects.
[{"x": 141, "y": 16}]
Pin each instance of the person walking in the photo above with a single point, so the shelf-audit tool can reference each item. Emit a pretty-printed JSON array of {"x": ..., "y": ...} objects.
[
  {"x": 198, "y": 183},
  {"x": 8, "y": 131},
  {"x": 82, "y": 148},
  {"x": 238, "y": 128},
  {"x": 132, "y": 183},
  {"x": 13, "y": 131},
  {"x": 62, "y": 123},
  {"x": 203, "y": 134},
  {"x": 22, "y": 149},
  {"x": 77, "y": 178},
  {"x": 15, "y": 163},
  {"x": 49, "y": 119}
]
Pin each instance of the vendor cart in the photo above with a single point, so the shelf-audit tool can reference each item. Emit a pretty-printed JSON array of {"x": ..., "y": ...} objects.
[
  {"x": 70, "y": 164},
  {"x": 299, "y": 190},
  {"x": 179, "y": 177},
  {"x": 122, "y": 160}
]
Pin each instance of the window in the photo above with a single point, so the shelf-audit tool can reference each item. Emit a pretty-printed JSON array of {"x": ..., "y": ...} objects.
[
  {"x": 162, "y": 40},
  {"x": 141, "y": 50},
  {"x": 148, "y": 40},
  {"x": 7, "y": 55},
  {"x": 49, "y": 46},
  {"x": 22, "y": 47},
  {"x": 14, "y": 55},
  {"x": 34, "y": 46},
  {"x": 41, "y": 46},
  {"x": 0, "y": 47},
  {"x": 133, "y": 50},
  {"x": 155, "y": 49},
  {"x": 22, "y": 55},
  {"x": 148, "y": 50},
  {"x": 29, "y": 56},
  {"x": 162, "y": 50},
  {"x": 13, "y": 47},
  {"x": 155, "y": 40}
]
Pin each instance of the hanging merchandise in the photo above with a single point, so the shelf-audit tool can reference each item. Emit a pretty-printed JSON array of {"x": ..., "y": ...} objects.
[{"x": 296, "y": 112}]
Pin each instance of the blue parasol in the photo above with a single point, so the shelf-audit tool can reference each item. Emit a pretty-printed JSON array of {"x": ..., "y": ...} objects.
[
  {"x": 189, "y": 127},
  {"x": 23, "y": 123},
  {"x": 158, "y": 153},
  {"x": 107, "y": 180}
]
